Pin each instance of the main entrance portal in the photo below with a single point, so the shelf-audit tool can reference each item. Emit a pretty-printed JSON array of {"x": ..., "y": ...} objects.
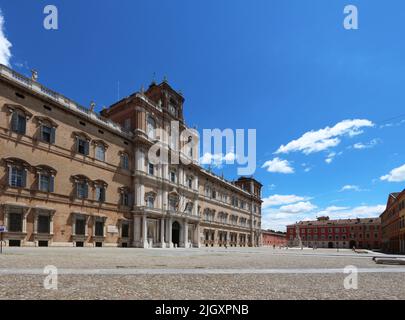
[{"x": 176, "y": 234}]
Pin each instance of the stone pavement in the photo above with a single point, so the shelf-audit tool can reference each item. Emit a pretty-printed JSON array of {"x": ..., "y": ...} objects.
[{"x": 215, "y": 273}]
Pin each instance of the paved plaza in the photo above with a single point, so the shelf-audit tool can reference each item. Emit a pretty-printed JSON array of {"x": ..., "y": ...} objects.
[{"x": 214, "y": 273}]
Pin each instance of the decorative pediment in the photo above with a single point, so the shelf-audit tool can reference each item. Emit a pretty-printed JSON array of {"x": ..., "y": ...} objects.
[
  {"x": 100, "y": 182},
  {"x": 17, "y": 162},
  {"x": 80, "y": 134},
  {"x": 42, "y": 168},
  {"x": 80, "y": 178},
  {"x": 100, "y": 143},
  {"x": 45, "y": 120},
  {"x": 18, "y": 108}
]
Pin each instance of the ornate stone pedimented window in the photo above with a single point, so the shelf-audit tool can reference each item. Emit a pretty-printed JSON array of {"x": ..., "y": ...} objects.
[
  {"x": 189, "y": 207},
  {"x": 81, "y": 186},
  {"x": 100, "y": 187},
  {"x": 99, "y": 226},
  {"x": 174, "y": 200},
  {"x": 82, "y": 142},
  {"x": 19, "y": 118},
  {"x": 46, "y": 129},
  {"x": 151, "y": 127},
  {"x": 100, "y": 149},
  {"x": 46, "y": 178},
  {"x": 150, "y": 199},
  {"x": 17, "y": 172},
  {"x": 126, "y": 196},
  {"x": 15, "y": 217},
  {"x": 124, "y": 158}
]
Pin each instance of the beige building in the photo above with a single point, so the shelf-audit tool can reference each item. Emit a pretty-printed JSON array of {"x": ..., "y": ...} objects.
[{"x": 73, "y": 177}]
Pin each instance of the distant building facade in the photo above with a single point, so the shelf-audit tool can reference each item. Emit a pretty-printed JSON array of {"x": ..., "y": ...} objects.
[
  {"x": 72, "y": 177},
  {"x": 272, "y": 238},
  {"x": 362, "y": 233},
  {"x": 393, "y": 224}
]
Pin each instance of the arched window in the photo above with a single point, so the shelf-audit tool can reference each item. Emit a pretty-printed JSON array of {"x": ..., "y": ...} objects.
[{"x": 151, "y": 127}]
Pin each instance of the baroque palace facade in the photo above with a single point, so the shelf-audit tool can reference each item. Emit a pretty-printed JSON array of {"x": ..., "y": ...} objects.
[{"x": 72, "y": 177}]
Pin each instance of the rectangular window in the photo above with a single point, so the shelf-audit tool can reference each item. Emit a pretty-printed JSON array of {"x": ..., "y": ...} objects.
[
  {"x": 18, "y": 177},
  {"x": 46, "y": 183},
  {"x": 43, "y": 224},
  {"x": 100, "y": 153},
  {"x": 99, "y": 229},
  {"x": 82, "y": 190},
  {"x": 80, "y": 226},
  {"x": 150, "y": 202},
  {"x": 173, "y": 176},
  {"x": 151, "y": 169},
  {"x": 100, "y": 194},
  {"x": 18, "y": 123},
  {"x": 47, "y": 134},
  {"x": 125, "y": 161},
  {"x": 125, "y": 199},
  {"x": 125, "y": 230},
  {"x": 82, "y": 146},
  {"x": 15, "y": 222}
]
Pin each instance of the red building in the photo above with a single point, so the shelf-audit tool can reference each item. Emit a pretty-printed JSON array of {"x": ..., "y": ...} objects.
[
  {"x": 393, "y": 224},
  {"x": 270, "y": 238},
  {"x": 343, "y": 233}
]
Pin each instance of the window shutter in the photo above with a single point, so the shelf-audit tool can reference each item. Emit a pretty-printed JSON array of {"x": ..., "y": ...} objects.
[
  {"x": 77, "y": 144},
  {"x": 14, "y": 121},
  {"x": 22, "y": 124},
  {"x": 86, "y": 191},
  {"x": 51, "y": 183},
  {"x": 77, "y": 189},
  {"x": 86, "y": 148},
  {"x": 102, "y": 194},
  {"x": 24, "y": 178},
  {"x": 53, "y": 131},
  {"x": 10, "y": 180},
  {"x": 39, "y": 181}
]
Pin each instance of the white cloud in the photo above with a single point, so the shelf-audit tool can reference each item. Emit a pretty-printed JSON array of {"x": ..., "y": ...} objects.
[
  {"x": 218, "y": 159},
  {"x": 368, "y": 145},
  {"x": 299, "y": 207},
  {"x": 278, "y": 200},
  {"x": 323, "y": 139},
  {"x": 350, "y": 187},
  {"x": 278, "y": 165},
  {"x": 395, "y": 175},
  {"x": 5, "y": 45}
]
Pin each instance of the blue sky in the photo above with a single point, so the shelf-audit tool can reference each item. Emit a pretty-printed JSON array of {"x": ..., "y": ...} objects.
[{"x": 282, "y": 67}]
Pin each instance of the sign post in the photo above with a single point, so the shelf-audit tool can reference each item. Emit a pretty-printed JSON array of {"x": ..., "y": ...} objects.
[{"x": 2, "y": 229}]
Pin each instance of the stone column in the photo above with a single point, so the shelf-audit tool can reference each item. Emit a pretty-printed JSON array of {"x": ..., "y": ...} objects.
[
  {"x": 24, "y": 226},
  {"x": 185, "y": 233},
  {"x": 51, "y": 223},
  {"x": 162, "y": 233},
  {"x": 170, "y": 233},
  {"x": 198, "y": 238},
  {"x": 144, "y": 231}
]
